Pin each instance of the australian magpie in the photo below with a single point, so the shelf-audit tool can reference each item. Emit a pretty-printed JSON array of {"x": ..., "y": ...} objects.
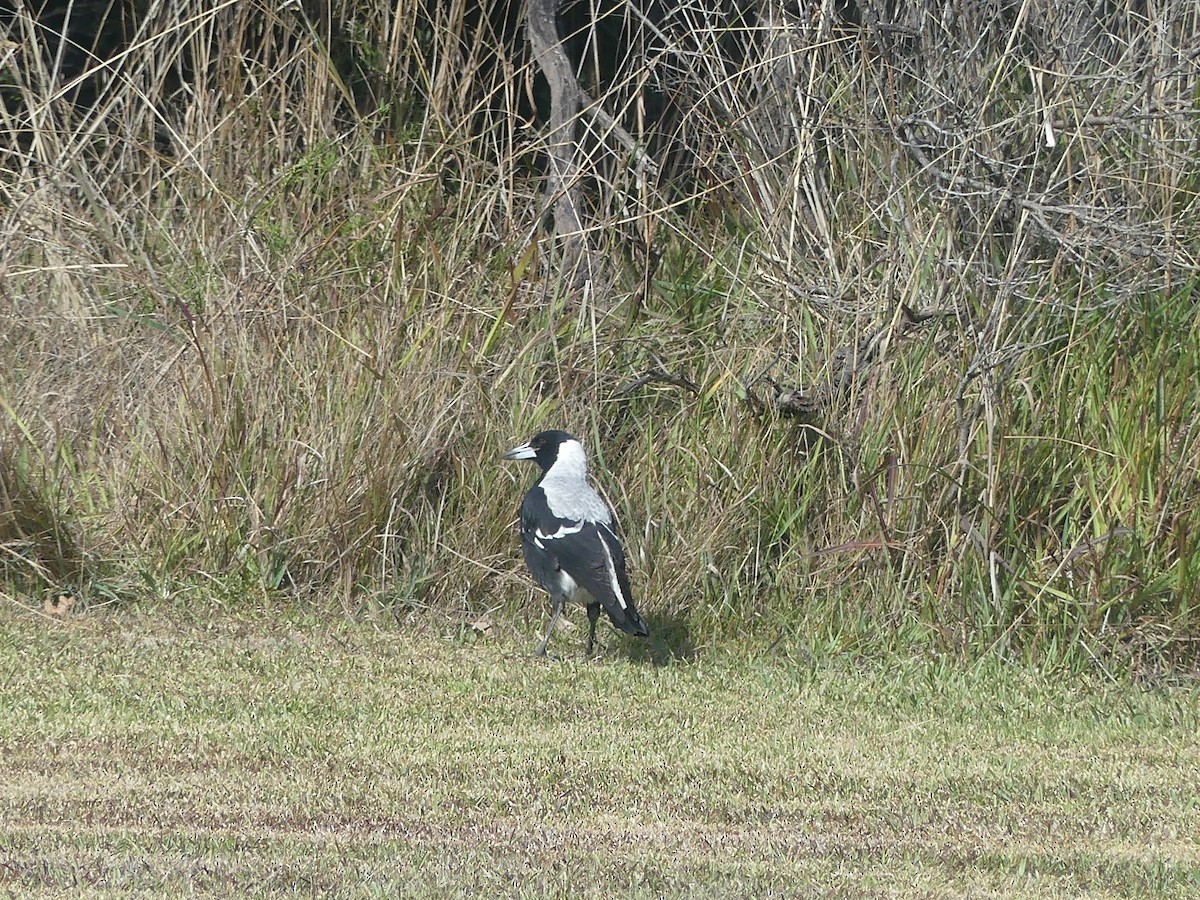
[{"x": 569, "y": 540}]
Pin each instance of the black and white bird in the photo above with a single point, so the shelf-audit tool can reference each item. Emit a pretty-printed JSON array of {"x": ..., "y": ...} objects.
[{"x": 569, "y": 540}]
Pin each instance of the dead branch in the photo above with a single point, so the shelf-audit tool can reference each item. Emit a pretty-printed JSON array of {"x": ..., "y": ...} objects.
[
  {"x": 566, "y": 97},
  {"x": 847, "y": 365}
]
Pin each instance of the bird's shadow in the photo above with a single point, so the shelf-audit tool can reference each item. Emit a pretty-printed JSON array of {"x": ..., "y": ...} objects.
[{"x": 670, "y": 641}]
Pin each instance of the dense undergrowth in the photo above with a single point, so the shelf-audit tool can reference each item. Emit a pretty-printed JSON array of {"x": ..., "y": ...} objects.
[{"x": 269, "y": 316}]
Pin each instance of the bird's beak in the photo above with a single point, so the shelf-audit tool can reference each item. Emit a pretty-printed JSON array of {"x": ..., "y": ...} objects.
[{"x": 522, "y": 452}]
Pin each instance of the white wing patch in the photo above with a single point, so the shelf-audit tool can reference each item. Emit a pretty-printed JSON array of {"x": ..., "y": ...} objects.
[
  {"x": 563, "y": 531},
  {"x": 612, "y": 572}
]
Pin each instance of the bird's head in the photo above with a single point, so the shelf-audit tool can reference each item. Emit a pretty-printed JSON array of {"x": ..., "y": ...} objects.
[{"x": 545, "y": 447}]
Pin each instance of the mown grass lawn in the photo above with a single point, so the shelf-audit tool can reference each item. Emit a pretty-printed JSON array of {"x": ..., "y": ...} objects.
[{"x": 240, "y": 755}]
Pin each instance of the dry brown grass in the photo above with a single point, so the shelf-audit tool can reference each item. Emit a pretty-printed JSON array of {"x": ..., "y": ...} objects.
[{"x": 276, "y": 294}]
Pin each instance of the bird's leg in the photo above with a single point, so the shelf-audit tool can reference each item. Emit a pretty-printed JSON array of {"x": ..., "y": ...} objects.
[
  {"x": 558, "y": 605},
  {"x": 593, "y": 615}
]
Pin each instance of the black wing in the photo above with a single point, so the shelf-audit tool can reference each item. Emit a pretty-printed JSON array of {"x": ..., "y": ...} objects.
[{"x": 536, "y": 519}]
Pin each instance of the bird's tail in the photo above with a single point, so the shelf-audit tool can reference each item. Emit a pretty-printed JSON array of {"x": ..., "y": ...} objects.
[{"x": 631, "y": 623}]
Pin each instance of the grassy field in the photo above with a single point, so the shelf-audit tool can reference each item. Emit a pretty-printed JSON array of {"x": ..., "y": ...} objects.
[{"x": 270, "y": 755}]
